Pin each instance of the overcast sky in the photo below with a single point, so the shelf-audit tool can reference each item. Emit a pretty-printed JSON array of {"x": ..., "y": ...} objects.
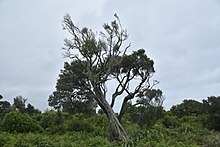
[{"x": 181, "y": 36}]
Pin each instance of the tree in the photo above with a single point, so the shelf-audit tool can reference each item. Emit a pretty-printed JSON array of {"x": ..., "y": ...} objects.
[
  {"x": 212, "y": 107},
  {"x": 187, "y": 108},
  {"x": 19, "y": 103},
  {"x": 146, "y": 116},
  {"x": 5, "y": 106},
  {"x": 69, "y": 96},
  {"x": 100, "y": 60},
  {"x": 31, "y": 110}
]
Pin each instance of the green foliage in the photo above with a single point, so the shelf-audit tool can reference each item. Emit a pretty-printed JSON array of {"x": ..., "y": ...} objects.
[
  {"x": 212, "y": 106},
  {"x": 197, "y": 121},
  {"x": 59, "y": 122},
  {"x": 71, "y": 95},
  {"x": 16, "y": 122},
  {"x": 187, "y": 108},
  {"x": 145, "y": 116},
  {"x": 99, "y": 141},
  {"x": 208, "y": 111},
  {"x": 31, "y": 110},
  {"x": 80, "y": 130},
  {"x": 183, "y": 135},
  {"x": 19, "y": 103},
  {"x": 170, "y": 121},
  {"x": 78, "y": 123},
  {"x": 99, "y": 123},
  {"x": 76, "y": 139},
  {"x": 5, "y": 107},
  {"x": 152, "y": 97},
  {"x": 53, "y": 122}
]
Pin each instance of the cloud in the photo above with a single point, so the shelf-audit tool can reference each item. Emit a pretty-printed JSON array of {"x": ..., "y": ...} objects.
[
  {"x": 182, "y": 37},
  {"x": 31, "y": 58}
]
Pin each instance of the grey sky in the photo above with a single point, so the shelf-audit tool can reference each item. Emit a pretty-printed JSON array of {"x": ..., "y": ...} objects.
[{"x": 181, "y": 36}]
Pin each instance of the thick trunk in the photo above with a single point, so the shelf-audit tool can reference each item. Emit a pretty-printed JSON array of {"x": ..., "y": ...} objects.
[{"x": 116, "y": 130}]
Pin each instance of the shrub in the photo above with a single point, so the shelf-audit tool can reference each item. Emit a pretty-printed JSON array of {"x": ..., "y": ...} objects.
[
  {"x": 170, "y": 121},
  {"x": 196, "y": 121},
  {"x": 53, "y": 122},
  {"x": 78, "y": 123},
  {"x": 99, "y": 123},
  {"x": 146, "y": 116},
  {"x": 98, "y": 141},
  {"x": 19, "y": 123}
]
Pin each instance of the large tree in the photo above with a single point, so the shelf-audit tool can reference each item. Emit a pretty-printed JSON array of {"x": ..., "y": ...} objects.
[{"x": 99, "y": 59}]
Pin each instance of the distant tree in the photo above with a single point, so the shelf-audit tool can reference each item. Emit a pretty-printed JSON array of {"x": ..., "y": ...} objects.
[
  {"x": 187, "y": 108},
  {"x": 212, "y": 107},
  {"x": 146, "y": 116},
  {"x": 97, "y": 61},
  {"x": 5, "y": 106},
  {"x": 20, "y": 104},
  {"x": 31, "y": 110}
]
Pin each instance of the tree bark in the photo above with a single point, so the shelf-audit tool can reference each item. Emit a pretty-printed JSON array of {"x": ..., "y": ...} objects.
[{"x": 116, "y": 130}]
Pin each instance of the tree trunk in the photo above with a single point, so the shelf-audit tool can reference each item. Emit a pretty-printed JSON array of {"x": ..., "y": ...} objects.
[{"x": 116, "y": 130}]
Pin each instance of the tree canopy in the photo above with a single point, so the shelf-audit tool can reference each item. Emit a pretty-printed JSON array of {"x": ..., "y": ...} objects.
[{"x": 70, "y": 95}]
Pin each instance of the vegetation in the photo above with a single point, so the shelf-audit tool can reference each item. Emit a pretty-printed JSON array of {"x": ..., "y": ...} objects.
[{"x": 146, "y": 126}]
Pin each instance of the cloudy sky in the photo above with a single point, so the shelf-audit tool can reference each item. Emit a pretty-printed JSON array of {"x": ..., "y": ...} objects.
[{"x": 181, "y": 36}]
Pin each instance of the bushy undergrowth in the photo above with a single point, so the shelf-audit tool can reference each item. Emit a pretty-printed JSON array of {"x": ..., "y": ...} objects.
[
  {"x": 52, "y": 129},
  {"x": 16, "y": 122},
  {"x": 75, "y": 139}
]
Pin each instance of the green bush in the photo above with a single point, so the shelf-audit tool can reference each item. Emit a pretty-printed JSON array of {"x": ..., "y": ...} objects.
[
  {"x": 17, "y": 122},
  {"x": 100, "y": 124},
  {"x": 53, "y": 122},
  {"x": 98, "y": 141},
  {"x": 79, "y": 123},
  {"x": 48, "y": 119},
  {"x": 170, "y": 121},
  {"x": 79, "y": 130},
  {"x": 145, "y": 116}
]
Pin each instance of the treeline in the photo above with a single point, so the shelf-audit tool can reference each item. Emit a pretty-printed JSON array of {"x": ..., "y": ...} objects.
[
  {"x": 208, "y": 110},
  {"x": 190, "y": 123},
  {"x": 19, "y": 103}
]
